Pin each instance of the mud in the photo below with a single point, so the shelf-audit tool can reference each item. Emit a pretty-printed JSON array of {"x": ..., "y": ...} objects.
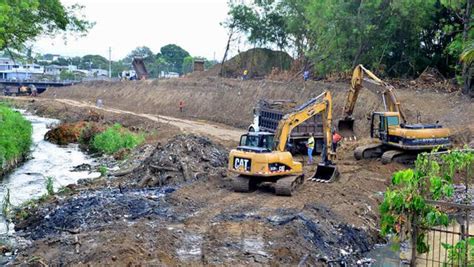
[{"x": 92, "y": 209}]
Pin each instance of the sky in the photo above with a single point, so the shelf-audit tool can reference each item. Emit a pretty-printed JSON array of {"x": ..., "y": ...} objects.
[{"x": 126, "y": 24}]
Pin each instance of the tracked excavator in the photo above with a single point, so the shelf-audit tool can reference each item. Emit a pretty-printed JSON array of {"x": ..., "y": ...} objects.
[
  {"x": 397, "y": 140},
  {"x": 262, "y": 157}
]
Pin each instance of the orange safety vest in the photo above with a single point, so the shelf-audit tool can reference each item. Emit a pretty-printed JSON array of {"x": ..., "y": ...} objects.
[{"x": 336, "y": 138}]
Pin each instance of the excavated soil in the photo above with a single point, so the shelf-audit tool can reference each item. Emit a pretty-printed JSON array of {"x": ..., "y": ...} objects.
[
  {"x": 185, "y": 212},
  {"x": 231, "y": 102}
]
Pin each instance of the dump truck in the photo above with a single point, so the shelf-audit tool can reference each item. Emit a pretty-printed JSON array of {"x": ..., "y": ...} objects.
[
  {"x": 267, "y": 115},
  {"x": 140, "y": 69}
]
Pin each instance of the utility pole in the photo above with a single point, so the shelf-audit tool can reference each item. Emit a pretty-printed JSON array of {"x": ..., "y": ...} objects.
[{"x": 110, "y": 62}]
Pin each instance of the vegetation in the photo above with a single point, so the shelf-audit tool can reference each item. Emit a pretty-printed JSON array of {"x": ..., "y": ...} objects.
[
  {"x": 15, "y": 136},
  {"x": 457, "y": 253},
  {"x": 103, "y": 170},
  {"x": 405, "y": 212},
  {"x": 50, "y": 185},
  {"x": 396, "y": 38},
  {"x": 22, "y": 21},
  {"x": 114, "y": 139}
]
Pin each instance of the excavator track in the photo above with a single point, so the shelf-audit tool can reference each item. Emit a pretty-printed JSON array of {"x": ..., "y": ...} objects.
[
  {"x": 287, "y": 185},
  {"x": 241, "y": 184},
  {"x": 368, "y": 151},
  {"x": 398, "y": 156}
]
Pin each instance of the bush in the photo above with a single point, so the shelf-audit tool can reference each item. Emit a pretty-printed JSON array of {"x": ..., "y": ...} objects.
[
  {"x": 15, "y": 135},
  {"x": 115, "y": 138}
]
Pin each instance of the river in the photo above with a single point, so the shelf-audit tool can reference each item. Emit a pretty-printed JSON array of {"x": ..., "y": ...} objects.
[{"x": 28, "y": 181}]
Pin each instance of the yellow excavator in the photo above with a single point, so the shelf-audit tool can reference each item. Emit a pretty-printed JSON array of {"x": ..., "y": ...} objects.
[
  {"x": 263, "y": 157},
  {"x": 397, "y": 140}
]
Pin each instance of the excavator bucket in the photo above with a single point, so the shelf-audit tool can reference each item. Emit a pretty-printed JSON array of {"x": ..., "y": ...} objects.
[
  {"x": 346, "y": 128},
  {"x": 325, "y": 173}
]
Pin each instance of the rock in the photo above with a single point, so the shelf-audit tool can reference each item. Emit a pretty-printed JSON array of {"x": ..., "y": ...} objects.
[{"x": 82, "y": 168}]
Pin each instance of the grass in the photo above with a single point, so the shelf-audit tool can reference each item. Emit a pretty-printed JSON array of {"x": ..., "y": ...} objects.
[
  {"x": 103, "y": 170},
  {"x": 116, "y": 138},
  {"x": 15, "y": 135},
  {"x": 50, "y": 185}
]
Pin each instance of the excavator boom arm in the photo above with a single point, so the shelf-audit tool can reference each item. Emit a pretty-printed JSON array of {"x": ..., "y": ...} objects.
[
  {"x": 310, "y": 109},
  {"x": 391, "y": 102}
]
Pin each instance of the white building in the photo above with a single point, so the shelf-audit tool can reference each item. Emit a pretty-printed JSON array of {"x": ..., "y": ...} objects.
[{"x": 9, "y": 70}]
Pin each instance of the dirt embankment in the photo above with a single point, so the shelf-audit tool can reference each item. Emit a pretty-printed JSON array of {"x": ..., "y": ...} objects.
[{"x": 231, "y": 101}]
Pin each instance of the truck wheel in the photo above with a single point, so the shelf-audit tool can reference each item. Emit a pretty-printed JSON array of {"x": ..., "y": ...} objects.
[{"x": 251, "y": 129}]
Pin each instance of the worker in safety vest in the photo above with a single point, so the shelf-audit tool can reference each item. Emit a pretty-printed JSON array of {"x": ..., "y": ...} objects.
[
  {"x": 245, "y": 74},
  {"x": 310, "y": 146},
  {"x": 181, "y": 106}
]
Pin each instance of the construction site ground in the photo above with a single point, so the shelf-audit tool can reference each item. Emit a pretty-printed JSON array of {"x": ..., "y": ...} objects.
[{"x": 201, "y": 220}]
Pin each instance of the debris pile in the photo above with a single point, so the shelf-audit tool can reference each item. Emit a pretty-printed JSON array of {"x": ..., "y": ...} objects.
[
  {"x": 184, "y": 158},
  {"x": 92, "y": 209},
  {"x": 429, "y": 79}
]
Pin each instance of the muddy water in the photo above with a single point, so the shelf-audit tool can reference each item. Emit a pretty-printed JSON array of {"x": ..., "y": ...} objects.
[{"x": 46, "y": 159}]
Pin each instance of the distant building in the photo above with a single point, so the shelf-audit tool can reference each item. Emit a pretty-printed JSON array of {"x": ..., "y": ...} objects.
[
  {"x": 99, "y": 72},
  {"x": 170, "y": 74},
  {"x": 9, "y": 70}
]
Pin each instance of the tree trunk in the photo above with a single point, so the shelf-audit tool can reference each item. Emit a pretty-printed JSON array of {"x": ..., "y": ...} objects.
[
  {"x": 466, "y": 77},
  {"x": 414, "y": 237},
  {"x": 221, "y": 73}
]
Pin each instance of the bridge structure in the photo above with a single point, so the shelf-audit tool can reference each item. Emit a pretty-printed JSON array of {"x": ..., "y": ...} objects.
[{"x": 40, "y": 85}]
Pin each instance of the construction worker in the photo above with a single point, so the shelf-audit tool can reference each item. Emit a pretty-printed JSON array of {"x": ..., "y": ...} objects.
[
  {"x": 245, "y": 75},
  {"x": 335, "y": 140},
  {"x": 34, "y": 91},
  {"x": 306, "y": 75},
  {"x": 310, "y": 146},
  {"x": 181, "y": 106}
]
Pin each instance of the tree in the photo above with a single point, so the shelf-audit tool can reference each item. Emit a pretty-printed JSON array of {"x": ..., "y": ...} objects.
[
  {"x": 142, "y": 52},
  {"x": 396, "y": 38},
  {"x": 94, "y": 62},
  {"x": 22, "y": 21},
  {"x": 188, "y": 64},
  {"x": 405, "y": 211},
  {"x": 66, "y": 75},
  {"x": 463, "y": 11},
  {"x": 174, "y": 55},
  {"x": 262, "y": 21}
]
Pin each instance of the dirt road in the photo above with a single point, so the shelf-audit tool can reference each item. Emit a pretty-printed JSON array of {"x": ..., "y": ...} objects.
[
  {"x": 213, "y": 130},
  {"x": 224, "y": 133}
]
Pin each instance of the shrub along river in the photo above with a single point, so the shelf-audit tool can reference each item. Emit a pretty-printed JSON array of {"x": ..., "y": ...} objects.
[{"x": 28, "y": 181}]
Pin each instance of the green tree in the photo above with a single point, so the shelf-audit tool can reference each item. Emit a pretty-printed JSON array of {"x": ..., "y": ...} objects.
[
  {"x": 174, "y": 55},
  {"x": 22, "y": 21},
  {"x": 94, "y": 62},
  {"x": 405, "y": 211},
  {"x": 261, "y": 21},
  {"x": 66, "y": 75},
  {"x": 188, "y": 64},
  {"x": 142, "y": 52}
]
